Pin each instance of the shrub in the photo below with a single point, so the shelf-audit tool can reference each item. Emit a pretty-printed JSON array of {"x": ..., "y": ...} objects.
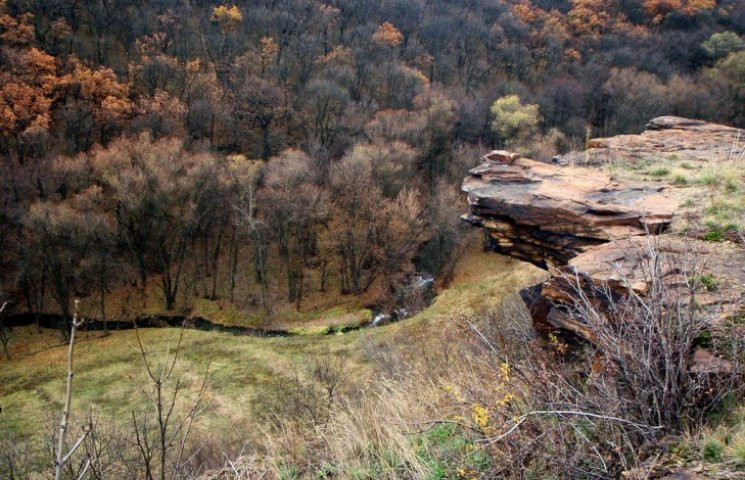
[
  {"x": 713, "y": 450},
  {"x": 714, "y": 235},
  {"x": 738, "y": 449},
  {"x": 680, "y": 180}
]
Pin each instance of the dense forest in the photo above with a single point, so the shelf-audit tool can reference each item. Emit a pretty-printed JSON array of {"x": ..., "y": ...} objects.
[{"x": 186, "y": 143}]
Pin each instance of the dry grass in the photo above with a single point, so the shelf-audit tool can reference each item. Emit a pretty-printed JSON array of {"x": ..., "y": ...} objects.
[
  {"x": 712, "y": 194},
  {"x": 426, "y": 398},
  {"x": 32, "y": 384}
]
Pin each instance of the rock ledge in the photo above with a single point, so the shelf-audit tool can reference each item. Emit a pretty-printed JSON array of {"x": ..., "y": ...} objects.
[{"x": 594, "y": 233}]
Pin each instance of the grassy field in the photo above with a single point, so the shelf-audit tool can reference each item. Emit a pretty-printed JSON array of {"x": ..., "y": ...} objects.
[{"x": 241, "y": 368}]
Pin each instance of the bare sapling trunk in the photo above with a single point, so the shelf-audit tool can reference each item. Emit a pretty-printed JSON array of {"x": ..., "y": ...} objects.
[
  {"x": 63, "y": 457},
  {"x": 246, "y": 209},
  {"x": 3, "y": 334}
]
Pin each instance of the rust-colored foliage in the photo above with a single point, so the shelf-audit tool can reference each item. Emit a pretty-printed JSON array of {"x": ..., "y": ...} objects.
[
  {"x": 657, "y": 10},
  {"x": 387, "y": 34}
]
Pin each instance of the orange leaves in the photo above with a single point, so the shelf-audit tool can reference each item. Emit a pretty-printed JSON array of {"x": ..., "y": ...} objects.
[
  {"x": 657, "y": 9},
  {"x": 526, "y": 11},
  {"x": 27, "y": 91},
  {"x": 39, "y": 63},
  {"x": 115, "y": 107},
  {"x": 16, "y": 30},
  {"x": 388, "y": 35},
  {"x": 34, "y": 81},
  {"x": 98, "y": 83},
  {"x": 23, "y": 107},
  {"x": 589, "y": 16},
  {"x": 100, "y": 88}
]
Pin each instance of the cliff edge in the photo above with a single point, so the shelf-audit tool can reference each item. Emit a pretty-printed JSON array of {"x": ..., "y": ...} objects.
[{"x": 600, "y": 233}]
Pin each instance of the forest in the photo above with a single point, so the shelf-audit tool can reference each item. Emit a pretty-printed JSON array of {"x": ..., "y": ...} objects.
[
  {"x": 155, "y": 141},
  {"x": 258, "y": 161}
]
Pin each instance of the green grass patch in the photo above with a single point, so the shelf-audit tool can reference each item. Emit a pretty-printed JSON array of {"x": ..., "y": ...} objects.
[
  {"x": 659, "y": 172},
  {"x": 713, "y": 450},
  {"x": 679, "y": 179},
  {"x": 449, "y": 453},
  {"x": 709, "y": 179},
  {"x": 705, "y": 282},
  {"x": 714, "y": 235},
  {"x": 241, "y": 367}
]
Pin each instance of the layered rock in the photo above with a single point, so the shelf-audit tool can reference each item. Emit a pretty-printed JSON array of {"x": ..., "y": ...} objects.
[
  {"x": 599, "y": 238},
  {"x": 547, "y": 214},
  {"x": 615, "y": 269},
  {"x": 682, "y": 138}
]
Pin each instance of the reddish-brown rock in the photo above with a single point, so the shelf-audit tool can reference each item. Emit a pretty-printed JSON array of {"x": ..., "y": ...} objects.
[
  {"x": 683, "y": 138},
  {"x": 602, "y": 237},
  {"x": 546, "y": 214}
]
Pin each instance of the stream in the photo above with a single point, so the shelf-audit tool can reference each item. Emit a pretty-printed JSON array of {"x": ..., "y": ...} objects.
[{"x": 409, "y": 299}]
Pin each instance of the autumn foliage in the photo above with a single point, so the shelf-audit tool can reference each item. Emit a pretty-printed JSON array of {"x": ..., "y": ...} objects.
[{"x": 304, "y": 144}]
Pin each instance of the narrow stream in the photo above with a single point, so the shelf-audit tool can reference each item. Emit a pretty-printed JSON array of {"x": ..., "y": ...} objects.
[{"x": 419, "y": 287}]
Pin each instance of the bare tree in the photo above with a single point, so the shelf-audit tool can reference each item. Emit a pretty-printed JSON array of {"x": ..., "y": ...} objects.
[
  {"x": 245, "y": 207},
  {"x": 170, "y": 434}
]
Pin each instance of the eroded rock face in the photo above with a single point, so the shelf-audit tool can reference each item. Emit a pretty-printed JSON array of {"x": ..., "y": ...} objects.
[
  {"x": 597, "y": 236},
  {"x": 686, "y": 139},
  {"x": 547, "y": 214},
  {"x": 610, "y": 271}
]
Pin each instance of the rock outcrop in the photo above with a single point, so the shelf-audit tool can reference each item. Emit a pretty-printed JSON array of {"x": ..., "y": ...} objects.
[
  {"x": 548, "y": 214},
  {"x": 685, "y": 139},
  {"x": 599, "y": 237}
]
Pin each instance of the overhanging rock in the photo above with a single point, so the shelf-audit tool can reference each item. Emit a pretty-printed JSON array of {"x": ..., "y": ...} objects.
[{"x": 598, "y": 236}]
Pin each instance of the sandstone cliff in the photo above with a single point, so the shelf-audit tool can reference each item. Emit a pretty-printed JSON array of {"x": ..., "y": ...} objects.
[
  {"x": 594, "y": 232},
  {"x": 686, "y": 139}
]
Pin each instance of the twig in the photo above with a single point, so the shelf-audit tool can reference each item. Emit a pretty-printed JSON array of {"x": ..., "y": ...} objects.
[
  {"x": 432, "y": 423},
  {"x": 524, "y": 417}
]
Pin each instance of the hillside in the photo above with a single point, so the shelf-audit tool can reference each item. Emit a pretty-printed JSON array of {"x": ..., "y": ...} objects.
[
  {"x": 628, "y": 240},
  {"x": 236, "y": 240}
]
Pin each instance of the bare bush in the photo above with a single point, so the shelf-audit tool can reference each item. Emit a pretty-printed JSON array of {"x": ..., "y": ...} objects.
[
  {"x": 162, "y": 432},
  {"x": 307, "y": 396},
  {"x": 649, "y": 340},
  {"x": 600, "y": 408},
  {"x": 533, "y": 407}
]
